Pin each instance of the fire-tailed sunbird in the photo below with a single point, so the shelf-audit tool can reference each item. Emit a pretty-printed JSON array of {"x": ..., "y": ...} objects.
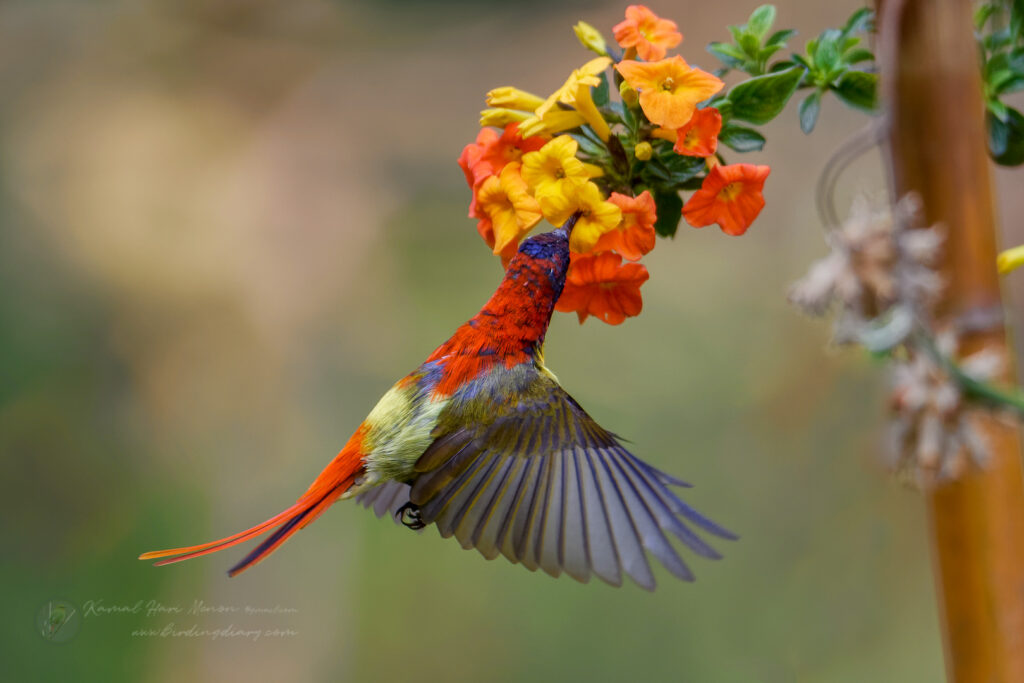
[{"x": 482, "y": 441}]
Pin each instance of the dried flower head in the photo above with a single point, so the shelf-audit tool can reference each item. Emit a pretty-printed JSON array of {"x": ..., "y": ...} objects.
[
  {"x": 932, "y": 437},
  {"x": 879, "y": 262}
]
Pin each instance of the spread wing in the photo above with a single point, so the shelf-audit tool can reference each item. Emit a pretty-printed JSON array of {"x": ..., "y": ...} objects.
[
  {"x": 387, "y": 498},
  {"x": 537, "y": 480}
]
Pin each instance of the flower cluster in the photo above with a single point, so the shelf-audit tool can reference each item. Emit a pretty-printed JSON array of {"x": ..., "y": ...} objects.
[{"x": 620, "y": 164}]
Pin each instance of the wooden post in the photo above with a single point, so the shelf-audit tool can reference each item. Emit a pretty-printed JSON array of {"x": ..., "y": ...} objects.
[{"x": 932, "y": 94}]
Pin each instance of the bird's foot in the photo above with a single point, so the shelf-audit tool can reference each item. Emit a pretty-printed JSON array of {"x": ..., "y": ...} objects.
[{"x": 409, "y": 515}]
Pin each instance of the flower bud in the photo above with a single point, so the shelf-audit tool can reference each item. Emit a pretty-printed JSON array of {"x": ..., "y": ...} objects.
[
  {"x": 643, "y": 151},
  {"x": 590, "y": 38},
  {"x": 513, "y": 98},
  {"x": 629, "y": 96},
  {"x": 501, "y": 117}
]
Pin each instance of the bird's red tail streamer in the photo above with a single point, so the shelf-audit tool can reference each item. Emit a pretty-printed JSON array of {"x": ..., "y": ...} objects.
[{"x": 336, "y": 478}]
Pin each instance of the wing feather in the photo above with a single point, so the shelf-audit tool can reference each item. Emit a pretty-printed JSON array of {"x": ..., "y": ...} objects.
[
  {"x": 518, "y": 517},
  {"x": 663, "y": 511},
  {"x": 468, "y": 517},
  {"x": 549, "y": 540},
  {"x": 573, "y": 551},
  {"x": 526, "y": 547},
  {"x": 645, "y": 523},
  {"x": 488, "y": 530},
  {"x": 536, "y": 479},
  {"x": 385, "y": 498},
  {"x": 604, "y": 557},
  {"x": 627, "y": 540},
  {"x": 443, "y": 509}
]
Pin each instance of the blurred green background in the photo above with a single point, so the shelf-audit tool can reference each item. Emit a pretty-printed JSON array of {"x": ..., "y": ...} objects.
[{"x": 227, "y": 227}]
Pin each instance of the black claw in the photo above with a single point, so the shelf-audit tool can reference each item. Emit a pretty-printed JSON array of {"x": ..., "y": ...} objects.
[{"x": 409, "y": 515}]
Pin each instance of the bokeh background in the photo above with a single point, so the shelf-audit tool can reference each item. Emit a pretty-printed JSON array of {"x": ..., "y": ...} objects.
[{"x": 227, "y": 227}]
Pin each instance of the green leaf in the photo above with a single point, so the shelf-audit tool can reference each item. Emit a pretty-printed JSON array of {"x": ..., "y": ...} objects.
[
  {"x": 858, "y": 89},
  {"x": 628, "y": 117},
  {"x": 724, "y": 108},
  {"x": 729, "y": 54},
  {"x": 801, "y": 61},
  {"x": 670, "y": 211},
  {"x": 1016, "y": 60},
  {"x": 809, "y": 109},
  {"x": 998, "y": 135},
  {"x": 737, "y": 33},
  {"x": 764, "y": 53},
  {"x": 998, "y": 109},
  {"x": 656, "y": 169},
  {"x": 812, "y": 47},
  {"x": 780, "y": 37},
  {"x": 760, "y": 99},
  {"x": 826, "y": 52},
  {"x": 1016, "y": 84},
  {"x": 861, "y": 54},
  {"x": 861, "y": 20},
  {"x": 741, "y": 139},
  {"x": 848, "y": 44},
  {"x": 681, "y": 167},
  {"x": 600, "y": 91},
  {"x": 1006, "y": 139},
  {"x": 998, "y": 62},
  {"x": 998, "y": 39},
  {"x": 998, "y": 80},
  {"x": 587, "y": 146},
  {"x": 761, "y": 20},
  {"x": 749, "y": 43},
  {"x": 982, "y": 14},
  {"x": 693, "y": 184}
]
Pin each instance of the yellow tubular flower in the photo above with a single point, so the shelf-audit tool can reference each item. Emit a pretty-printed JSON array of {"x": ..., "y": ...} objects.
[
  {"x": 598, "y": 216},
  {"x": 507, "y": 202},
  {"x": 584, "y": 104},
  {"x": 576, "y": 93},
  {"x": 554, "y": 168},
  {"x": 590, "y": 38},
  {"x": 501, "y": 117},
  {"x": 554, "y": 121},
  {"x": 514, "y": 98},
  {"x": 1010, "y": 259}
]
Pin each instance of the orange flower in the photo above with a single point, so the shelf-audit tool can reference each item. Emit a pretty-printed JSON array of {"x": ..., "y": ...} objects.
[
  {"x": 635, "y": 235},
  {"x": 510, "y": 212},
  {"x": 602, "y": 286},
  {"x": 511, "y": 146},
  {"x": 669, "y": 89},
  {"x": 469, "y": 160},
  {"x": 730, "y": 196},
  {"x": 699, "y": 137},
  {"x": 488, "y": 156},
  {"x": 647, "y": 32}
]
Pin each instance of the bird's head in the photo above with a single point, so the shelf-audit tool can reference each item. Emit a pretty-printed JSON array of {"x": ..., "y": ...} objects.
[{"x": 549, "y": 251}]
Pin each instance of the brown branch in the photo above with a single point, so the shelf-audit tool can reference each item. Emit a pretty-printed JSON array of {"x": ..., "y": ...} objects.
[{"x": 937, "y": 149}]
